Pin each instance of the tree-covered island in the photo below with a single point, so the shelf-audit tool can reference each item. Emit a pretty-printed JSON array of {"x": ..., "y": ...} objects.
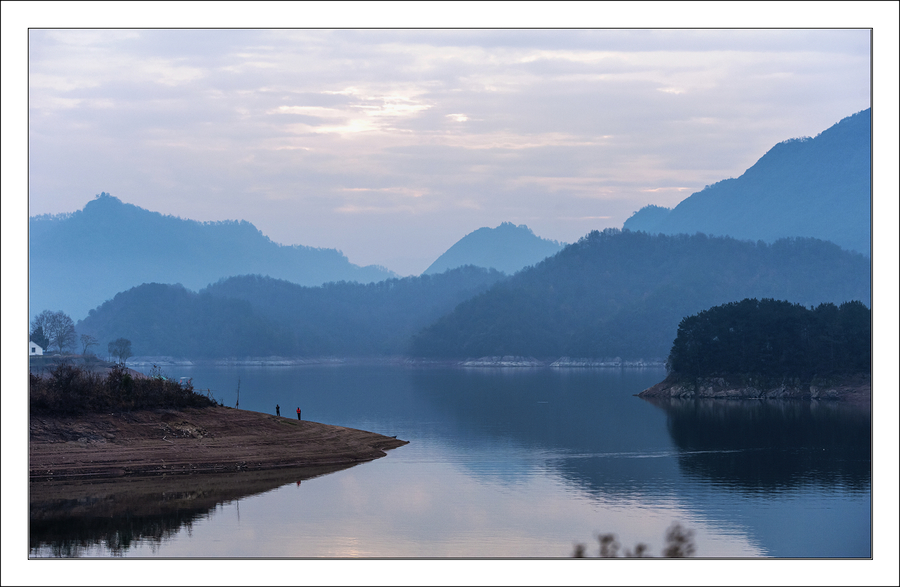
[{"x": 771, "y": 349}]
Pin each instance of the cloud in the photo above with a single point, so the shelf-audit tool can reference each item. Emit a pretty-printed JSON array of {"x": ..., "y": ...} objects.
[
  {"x": 666, "y": 189},
  {"x": 485, "y": 123}
]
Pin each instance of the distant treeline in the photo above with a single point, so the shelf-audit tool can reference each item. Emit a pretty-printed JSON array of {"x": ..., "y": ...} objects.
[
  {"x": 623, "y": 293},
  {"x": 252, "y": 315},
  {"x": 613, "y": 293},
  {"x": 774, "y": 339}
]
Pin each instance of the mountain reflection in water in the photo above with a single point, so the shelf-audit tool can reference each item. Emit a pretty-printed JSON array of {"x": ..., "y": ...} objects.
[{"x": 70, "y": 518}]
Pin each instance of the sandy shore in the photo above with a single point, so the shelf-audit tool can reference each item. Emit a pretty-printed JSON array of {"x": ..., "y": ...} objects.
[{"x": 176, "y": 442}]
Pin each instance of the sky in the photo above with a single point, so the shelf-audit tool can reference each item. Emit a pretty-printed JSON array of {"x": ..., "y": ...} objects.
[{"x": 391, "y": 145}]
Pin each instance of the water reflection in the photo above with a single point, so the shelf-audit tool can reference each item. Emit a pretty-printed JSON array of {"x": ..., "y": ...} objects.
[
  {"x": 575, "y": 412},
  {"x": 503, "y": 462},
  {"x": 583, "y": 424},
  {"x": 772, "y": 444},
  {"x": 771, "y": 471},
  {"x": 73, "y": 519}
]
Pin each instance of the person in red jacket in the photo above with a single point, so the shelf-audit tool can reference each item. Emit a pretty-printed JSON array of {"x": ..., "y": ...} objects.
[{"x": 298, "y": 413}]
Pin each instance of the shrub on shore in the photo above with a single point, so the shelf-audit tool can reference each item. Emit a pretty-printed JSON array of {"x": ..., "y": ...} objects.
[
  {"x": 679, "y": 544},
  {"x": 70, "y": 389}
]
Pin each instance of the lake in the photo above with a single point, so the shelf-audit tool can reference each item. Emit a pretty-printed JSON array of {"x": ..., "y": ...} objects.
[{"x": 503, "y": 462}]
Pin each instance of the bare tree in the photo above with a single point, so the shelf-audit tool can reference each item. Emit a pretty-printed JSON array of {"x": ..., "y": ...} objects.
[
  {"x": 120, "y": 348},
  {"x": 87, "y": 341},
  {"x": 57, "y": 327}
]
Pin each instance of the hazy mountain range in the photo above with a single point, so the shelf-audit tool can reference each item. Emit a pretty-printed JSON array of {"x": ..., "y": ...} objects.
[
  {"x": 79, "y": 260},
  {"x": 615, "y": 293},
  {"x": 178, "y": 286},
  {"x": 110, "y": 246},
  {"x": 818, "y": 187}
]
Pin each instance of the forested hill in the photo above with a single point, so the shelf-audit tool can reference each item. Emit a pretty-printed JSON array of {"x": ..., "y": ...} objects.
[
  {"x": 507, "y": 248},
  {"x": 253, "y": 316},
  {"x": 775, "y": 340},
  {"x": 815, "y": 187},
  {"x": 622, "y": 293},
  {"x": 79, "y": 260}
]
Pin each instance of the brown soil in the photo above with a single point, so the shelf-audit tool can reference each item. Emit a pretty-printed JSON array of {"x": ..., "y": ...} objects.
[{"x": 193, "y": 440}]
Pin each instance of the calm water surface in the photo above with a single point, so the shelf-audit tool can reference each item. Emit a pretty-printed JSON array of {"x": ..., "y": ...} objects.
[{"x": 519, "y": 462}]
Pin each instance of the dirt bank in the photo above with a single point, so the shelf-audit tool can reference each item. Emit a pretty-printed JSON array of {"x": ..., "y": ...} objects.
[{"x": 194, "y": 440}]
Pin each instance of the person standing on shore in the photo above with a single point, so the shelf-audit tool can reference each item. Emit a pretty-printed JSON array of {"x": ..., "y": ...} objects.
[
  {"x": 277, "y": 410},
  {"x": 298, "y": 413}
]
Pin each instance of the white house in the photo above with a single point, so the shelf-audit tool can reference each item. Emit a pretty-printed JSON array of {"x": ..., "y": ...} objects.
[{"x": 34, "y": 349}]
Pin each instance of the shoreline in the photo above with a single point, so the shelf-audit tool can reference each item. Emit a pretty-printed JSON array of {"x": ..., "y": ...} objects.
[
  {"x": 163, "y": 442},
  {"x": 488, "y": 361},
  {"x": 855, "y": 388}
]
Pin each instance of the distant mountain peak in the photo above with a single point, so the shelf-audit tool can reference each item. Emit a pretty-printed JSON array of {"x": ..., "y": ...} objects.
[
  {"x": 105, "y": 197},
  {"x": 510, "y": 225},
  {"x": 802, "y": 187},
  {"x": 507, "y": 248}
]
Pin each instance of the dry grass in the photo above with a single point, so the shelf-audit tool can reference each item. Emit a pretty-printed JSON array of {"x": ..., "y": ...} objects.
[{"x": 73, "y": 390}]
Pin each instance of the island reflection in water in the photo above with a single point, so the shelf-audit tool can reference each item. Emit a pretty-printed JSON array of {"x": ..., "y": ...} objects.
[
  {"x": 771, "y": 444},
  {"x": 67, "y": 518}
]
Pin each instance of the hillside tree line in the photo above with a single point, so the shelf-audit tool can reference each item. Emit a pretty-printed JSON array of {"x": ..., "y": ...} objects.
[
  {"x": 623, "y": 293},
  {"x": 774, "y": 339},
  {"x": 257, "y": 316}
]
